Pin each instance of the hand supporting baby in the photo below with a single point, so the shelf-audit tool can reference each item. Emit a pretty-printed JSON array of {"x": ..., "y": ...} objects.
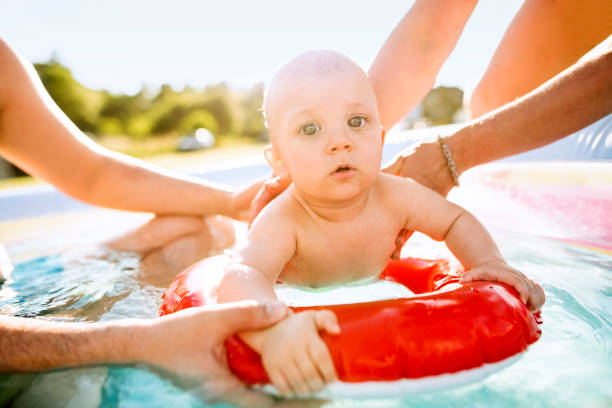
[
  {"x": 295, "y": 357},
  {"x": 530, "y": 292}
]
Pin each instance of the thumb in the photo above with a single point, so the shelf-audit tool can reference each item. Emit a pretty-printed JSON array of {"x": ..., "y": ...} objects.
[
  {"x": 395, "y": 167},
  {"x": 326, "y": 320},
  {"x": 270, "y": 189},
  {"x": 284, "y": 180},
  {"x": 262, "y": 198},
  {"x": 242, "y": 316},
  {"x": 277, "y": 184}
]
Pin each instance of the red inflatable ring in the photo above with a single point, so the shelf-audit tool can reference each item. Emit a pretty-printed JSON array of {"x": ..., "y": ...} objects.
[{"x": 447, "y": 327}]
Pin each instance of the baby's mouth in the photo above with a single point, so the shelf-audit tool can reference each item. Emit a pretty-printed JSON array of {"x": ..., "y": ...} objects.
[{"x": 342, "y": 169}]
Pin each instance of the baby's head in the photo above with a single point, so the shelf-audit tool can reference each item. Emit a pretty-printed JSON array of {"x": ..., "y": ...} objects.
[{"x": 322, "y": 115}]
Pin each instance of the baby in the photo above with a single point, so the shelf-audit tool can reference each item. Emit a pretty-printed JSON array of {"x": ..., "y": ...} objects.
[{"x": 339, "y": 220}]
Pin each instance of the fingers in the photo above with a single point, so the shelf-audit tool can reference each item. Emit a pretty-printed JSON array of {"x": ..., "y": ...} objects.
[
  {"x": 297, "y": 380},
  {"x": 395, "y": 167},
  {"x": 289, "y": 379},
  {"x": 279, "y": 380},
  {"x": 306, "y": 375},
  {"x": 529, "y": 291},
  {"x": 241, "y": 316},
  {"x": 537, "y": 296},
  {"x": 259, "y": 202},
  {"x": 474, "y": 275},
  {"x": 243, "y": 200},
  {"x": 326, "y": 320},
  {"x": 271, "y": 188},
  {"x": 313, "y": 377},
  {"x": 513, "y": 280},
  {"x": 314, "y": 368},
  {"x": 278, "y": 184},
  {"x": 319, "y": 353},
  {"x": 400, "y": 240}
]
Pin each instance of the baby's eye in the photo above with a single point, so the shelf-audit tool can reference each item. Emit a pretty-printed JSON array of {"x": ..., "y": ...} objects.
[
  {"x": 310, "y": 129},
  {"x": 356, "y": 121}
]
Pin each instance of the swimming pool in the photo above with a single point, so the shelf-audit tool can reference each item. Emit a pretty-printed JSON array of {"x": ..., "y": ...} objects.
[{"x": 571, "y": 365}]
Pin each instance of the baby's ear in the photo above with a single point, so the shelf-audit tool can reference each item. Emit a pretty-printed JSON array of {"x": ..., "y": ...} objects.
[{"x": 273, "y": 159}]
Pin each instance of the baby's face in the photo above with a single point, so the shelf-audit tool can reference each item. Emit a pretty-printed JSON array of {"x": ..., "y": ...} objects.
[{"x": 326, "y": 130}]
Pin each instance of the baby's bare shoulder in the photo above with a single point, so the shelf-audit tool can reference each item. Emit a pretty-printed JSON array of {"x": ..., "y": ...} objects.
[
  {"x": 283, "y": 208},
  {"x": 402, "y": 195},
  {"x": 395, "y": 186}
]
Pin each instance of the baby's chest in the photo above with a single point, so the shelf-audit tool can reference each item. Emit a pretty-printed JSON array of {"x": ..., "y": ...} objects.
[{"x": 336, "y": 255}]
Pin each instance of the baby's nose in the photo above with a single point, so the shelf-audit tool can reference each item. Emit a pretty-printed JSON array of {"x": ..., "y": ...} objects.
[{"x": 339, "y": 143}]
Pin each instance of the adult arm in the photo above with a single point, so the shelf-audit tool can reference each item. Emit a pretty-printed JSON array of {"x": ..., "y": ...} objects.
[
  {"x": 408, "y": 63},
  {"x": 37, "y": 136},
  {"x": 543, "y": 39},
  {"x": 28, "y": 345},
  {"x": 573, "y": 99}
]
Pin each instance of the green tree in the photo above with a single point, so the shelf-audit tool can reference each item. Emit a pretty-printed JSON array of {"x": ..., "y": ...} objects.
[
  {"x": 253, "y": 123},
  {"x": 198, "y": 118},
  {"x": 441, "y": 104},
  {"x": 125, "y": 107},
  {"x": 170, "y": 120},
  {"x": 82, "y": 105},
  {"x": 224, "y": 113}
]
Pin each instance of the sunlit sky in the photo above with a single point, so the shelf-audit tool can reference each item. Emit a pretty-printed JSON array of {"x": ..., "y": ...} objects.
[{"x": 120, "y": 45}]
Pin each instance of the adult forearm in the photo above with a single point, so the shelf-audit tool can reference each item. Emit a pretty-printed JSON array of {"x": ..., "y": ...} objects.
[
  {"x": 406, "y": 66},
  {"x": 28, "y": 345},
  {"x": 125, "y": 183},
  {"x": 36, "y": 135},
  {"x": 568, "y": 102}
]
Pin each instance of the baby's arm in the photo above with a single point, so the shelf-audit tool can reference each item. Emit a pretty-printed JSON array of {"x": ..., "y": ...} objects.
[
  {"x": 295, "y": 357},
  {"x": 468, "y": 240}
]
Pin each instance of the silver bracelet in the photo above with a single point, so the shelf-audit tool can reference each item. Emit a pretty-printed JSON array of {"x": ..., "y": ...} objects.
[{"x": 449, "y": 160}]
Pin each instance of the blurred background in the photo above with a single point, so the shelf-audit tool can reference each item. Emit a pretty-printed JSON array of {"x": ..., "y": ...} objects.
[{"x": 151, "y": 79}]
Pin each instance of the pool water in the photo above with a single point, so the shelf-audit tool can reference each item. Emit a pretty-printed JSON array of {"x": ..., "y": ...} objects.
[{"x": 570, "y": 366}]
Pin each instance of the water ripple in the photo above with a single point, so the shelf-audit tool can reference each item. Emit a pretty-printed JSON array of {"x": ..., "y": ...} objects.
[{"x": 570, "y": 366}]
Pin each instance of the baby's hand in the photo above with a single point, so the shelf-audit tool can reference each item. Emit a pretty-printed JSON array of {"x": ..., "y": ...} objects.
[
  {"x": 294, "y": 355},
  {"x": 530, "y": 292}
]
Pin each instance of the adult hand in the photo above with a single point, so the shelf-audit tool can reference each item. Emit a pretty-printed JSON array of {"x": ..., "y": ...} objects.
[
  {"x": 241, "y": 200},
  {"x": 270, "y": 189},
  {"x": 400, "y": 240},
  {"x": 425, "y": 163},
  {"x": 197, "y": 352}
]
